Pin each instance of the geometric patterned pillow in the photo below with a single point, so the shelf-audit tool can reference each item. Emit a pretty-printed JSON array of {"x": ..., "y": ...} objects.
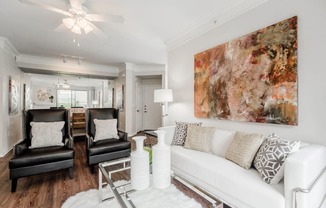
[
  {"x": 180, "y": 132},
  {"x": 271, "y": 156}
]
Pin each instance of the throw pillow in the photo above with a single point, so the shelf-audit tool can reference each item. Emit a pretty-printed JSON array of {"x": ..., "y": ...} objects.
[
  {"x": 199, "y": 138},
  {"x": 46, "y": 134},
  {"x": 180, "y": 132},
  {"x": 106, "y": 129},
  {"x": 243, "y": 148},
  {"x": 271, "y": 156}
]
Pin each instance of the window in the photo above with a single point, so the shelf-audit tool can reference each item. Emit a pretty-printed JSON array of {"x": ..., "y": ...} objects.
[{"x": 72, "y": 98}]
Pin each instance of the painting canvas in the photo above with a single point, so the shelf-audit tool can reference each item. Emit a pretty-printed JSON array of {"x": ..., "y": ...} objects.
[
  {"x": 13, "y": 96},
  {"x": 252, "y": 78}
]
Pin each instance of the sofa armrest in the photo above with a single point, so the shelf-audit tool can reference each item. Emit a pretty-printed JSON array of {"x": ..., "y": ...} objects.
[
  {"x": 123, "y": 135},
  {"x": 302, "y": 169},
  {"x": 69, "y": 142},
  {"x": 20, "y": 147},
  {"x": 169, "y": 133}
]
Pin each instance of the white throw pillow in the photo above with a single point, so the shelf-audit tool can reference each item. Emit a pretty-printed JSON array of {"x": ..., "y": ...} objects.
[
  {"x": 221, "y": 141},
  {"x": 106, "y": 129},
  {"x": 199, "y": 138},
  {"x": 271, "y": 156},
  {"x": 46, "y": 134}
]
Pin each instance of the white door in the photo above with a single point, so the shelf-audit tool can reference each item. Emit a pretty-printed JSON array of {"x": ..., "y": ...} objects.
[
  {"x": 152, "y": 111},
  {"x": 139, "y": 107}
]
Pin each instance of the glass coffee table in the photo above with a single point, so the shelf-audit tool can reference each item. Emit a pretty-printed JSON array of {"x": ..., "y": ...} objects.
[{"x": 116, "y": 175}]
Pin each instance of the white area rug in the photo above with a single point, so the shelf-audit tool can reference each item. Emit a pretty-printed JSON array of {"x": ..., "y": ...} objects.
[{"x": 149, "y": 198}]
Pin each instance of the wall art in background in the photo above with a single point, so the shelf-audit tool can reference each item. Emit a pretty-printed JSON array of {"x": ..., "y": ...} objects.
[
  {"x": 252, "y": 78},
  {"x": 13, "y": 96}
]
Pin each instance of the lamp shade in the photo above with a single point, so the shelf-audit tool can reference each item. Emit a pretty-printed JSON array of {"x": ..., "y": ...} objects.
[{"x": 163, "y": 95}]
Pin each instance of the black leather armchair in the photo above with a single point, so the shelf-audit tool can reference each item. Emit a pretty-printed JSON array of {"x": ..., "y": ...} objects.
[
  {"x": 27, "y": 162},
  {"x": 107, "y": 149}
]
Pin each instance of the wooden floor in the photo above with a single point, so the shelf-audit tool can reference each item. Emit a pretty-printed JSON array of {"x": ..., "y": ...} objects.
[{"x": 50, "y": 190}]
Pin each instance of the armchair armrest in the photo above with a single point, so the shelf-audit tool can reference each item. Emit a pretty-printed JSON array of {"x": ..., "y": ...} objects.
[
  {"x": 20, "y": 147},
  {"x": 69, "y": 142},
  {"x": 304, "y": 170},
  {"x": 123, "y": 135},
  {"x": 89, "y": 140}
]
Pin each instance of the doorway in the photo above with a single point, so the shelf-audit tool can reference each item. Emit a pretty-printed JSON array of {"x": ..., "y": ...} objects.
[
  {"x": 152, "y": 116},
  {"x": 148, "y": 113}
]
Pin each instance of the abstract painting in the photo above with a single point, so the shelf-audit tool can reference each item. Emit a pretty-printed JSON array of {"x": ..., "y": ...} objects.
[
  {"x": 13, "y": 96},
  {"x": 252, "y": 78}
]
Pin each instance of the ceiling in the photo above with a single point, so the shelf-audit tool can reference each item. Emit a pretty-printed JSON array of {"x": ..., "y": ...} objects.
[{"x": 150, "y": 28}]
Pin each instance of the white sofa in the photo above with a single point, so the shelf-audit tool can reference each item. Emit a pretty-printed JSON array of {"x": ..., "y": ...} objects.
[{"x": 241, "y": 188}]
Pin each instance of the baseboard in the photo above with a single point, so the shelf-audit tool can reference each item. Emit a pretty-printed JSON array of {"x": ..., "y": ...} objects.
[{"x": 2, "y": 154}]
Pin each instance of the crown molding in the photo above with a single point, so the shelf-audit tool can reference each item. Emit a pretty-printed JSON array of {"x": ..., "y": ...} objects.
[
  {"x": 210, "y": 23},
  {"x": 8, "y": 47}
]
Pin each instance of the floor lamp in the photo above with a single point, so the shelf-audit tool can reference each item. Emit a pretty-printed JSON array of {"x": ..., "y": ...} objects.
[{"x": 163, "y": 96}]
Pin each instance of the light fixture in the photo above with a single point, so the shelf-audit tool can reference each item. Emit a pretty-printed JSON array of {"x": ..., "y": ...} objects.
[
  {"x": 163, "y": 96},
  {"x": 77, "y": 24},
  {"x": 69, "y": 22}
]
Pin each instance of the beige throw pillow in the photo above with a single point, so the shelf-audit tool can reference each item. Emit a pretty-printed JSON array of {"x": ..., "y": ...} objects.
[
  {"x": 243, "y": 148},
  {"x": 105, "y": 129},
  {"x": 46, "y": 134},
  {"x": 199, "y": 138}
]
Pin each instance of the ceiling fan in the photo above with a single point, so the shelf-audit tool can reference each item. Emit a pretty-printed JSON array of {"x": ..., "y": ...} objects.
[{"x": 78, "y": 20}]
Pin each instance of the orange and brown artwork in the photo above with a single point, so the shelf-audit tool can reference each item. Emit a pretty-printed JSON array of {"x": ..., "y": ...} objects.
[{"x": 252, "y": 78}]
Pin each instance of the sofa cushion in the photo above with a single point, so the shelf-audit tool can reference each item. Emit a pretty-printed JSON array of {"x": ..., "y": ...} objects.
[
  {"x": 41, "y": 156},
  {"x": 180, "y": 132},
  {"x": 221, "y": 141},
  {"x": 243, "y": 148},
  {"x": 105, "y": 129},
  {"x": 107, "y": 146},
  {"x": 46, "y": 134},
  {"x": 199, "y": 138},
  {"x": 226, "y": 180},
  {"x": 271, "y": 156}
]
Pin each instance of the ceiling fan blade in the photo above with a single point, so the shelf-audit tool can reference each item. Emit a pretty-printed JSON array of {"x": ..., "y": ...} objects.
[
  {"x": 116, "y": 18},
  {"x": 45, "y": 6},
  {"x": 60, "y": 28},
  {"x": 96, "y": 18},
  {"x": 76, "y": 4},
  {"x": 97, "y": 31}
]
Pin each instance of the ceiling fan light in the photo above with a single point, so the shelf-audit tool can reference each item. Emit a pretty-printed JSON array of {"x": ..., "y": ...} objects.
[
  {"x": 88, "y": 29},
  {"x": 68, "y": 22},
  {"x": 76, "y": 29},
  {"x": 81, "y": 22}
]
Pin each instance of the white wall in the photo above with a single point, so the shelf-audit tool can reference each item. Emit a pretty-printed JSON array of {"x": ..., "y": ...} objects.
[
  {"x": 11, "y": 126},
  {"x": 311, "y": 68}
]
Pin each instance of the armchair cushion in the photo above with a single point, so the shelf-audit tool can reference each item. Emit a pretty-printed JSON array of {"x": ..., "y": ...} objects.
[
  {"x": 106, "y": 129},
  {"x": 46, "y": 134},
  {"x": 108, "y": 145},
  {"x": 41, "y": 156}
]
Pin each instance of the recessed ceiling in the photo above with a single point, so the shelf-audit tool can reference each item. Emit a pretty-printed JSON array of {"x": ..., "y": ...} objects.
[{"x": 150, "y": 28}]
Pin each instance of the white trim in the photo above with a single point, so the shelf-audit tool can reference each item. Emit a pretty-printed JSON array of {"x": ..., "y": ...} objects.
[
  {"x": 8, "y": 47},
  {"x": 6, "y": 152}
]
